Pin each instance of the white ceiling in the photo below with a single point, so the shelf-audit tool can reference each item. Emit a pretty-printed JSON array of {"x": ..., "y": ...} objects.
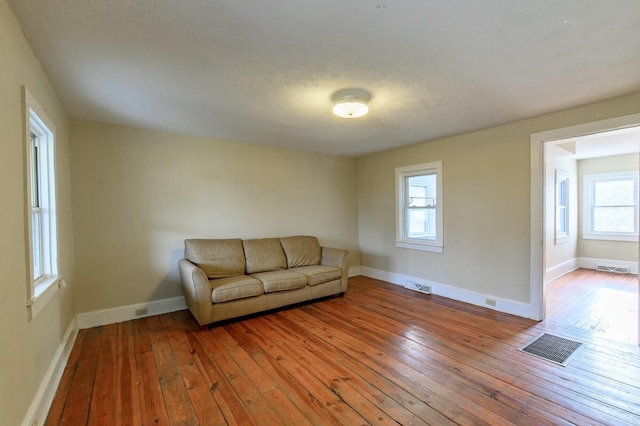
[{"x": 265, "y": 71}]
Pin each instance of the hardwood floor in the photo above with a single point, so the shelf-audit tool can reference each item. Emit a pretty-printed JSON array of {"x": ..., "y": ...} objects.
[
  {"x": 602, "y": 303},
  {"x": 379, "y": 355}
]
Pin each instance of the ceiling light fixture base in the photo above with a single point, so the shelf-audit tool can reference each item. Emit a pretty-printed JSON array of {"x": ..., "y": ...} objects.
[{"x": 351, "y": 103}]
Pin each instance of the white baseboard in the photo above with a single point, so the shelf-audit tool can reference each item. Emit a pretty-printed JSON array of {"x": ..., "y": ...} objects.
[
  {"x": 591, "y": 263},
  {"x": 126, "y": 313},
  {"x": 561, "y": 269},
  {"x": 39, "y": 408},
  {"x": 586, "y": 263},
  {"x": 157, "y": 307},
  {"x": 502, "y": 305}
]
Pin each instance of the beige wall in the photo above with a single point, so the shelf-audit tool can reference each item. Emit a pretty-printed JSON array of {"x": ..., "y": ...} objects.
[
  {"x": 612, "y": 250},
  {"x": 558, "y": 253},
  {"x": 137, "y": 194},
  {"x": 486, "y": 203},
  {"x": 27, "y": 347}
]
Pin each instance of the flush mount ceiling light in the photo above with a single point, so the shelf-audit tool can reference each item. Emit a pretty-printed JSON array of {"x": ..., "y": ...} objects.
[
  {"x": 350, "y": 108},
  {"x": 351, "y": 103}
]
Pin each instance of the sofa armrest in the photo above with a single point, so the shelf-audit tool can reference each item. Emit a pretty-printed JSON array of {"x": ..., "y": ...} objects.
[
  {"x": 339, "y": 258},
  {"x": 197, "y": 291}
]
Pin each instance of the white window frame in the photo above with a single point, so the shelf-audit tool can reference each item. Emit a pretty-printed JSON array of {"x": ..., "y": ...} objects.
[
  {"x": 402, "y": 240},
  {"x": 563, "y": 184},
  {"x": 43, "y": 284},
  {"x": 588, "y": 233}
]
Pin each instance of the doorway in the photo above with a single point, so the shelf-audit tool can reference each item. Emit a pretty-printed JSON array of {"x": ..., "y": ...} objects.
[
  {"x": 591, "y": 203},
  {"x": 560, "y": 242}
]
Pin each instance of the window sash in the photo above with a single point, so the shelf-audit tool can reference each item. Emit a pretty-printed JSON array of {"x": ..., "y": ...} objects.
[
  {"x": 603, "y": 215},
  {"x": 36, "y": 210},
  {"x": 421, "y": 223},
  {"x": 611, "y": 215},
  {"x": 36, "y": 240},
  {"x": 562, "y": 206},
  {"x": 35, "y": 171},
  {"x": 561, "y": 223}
]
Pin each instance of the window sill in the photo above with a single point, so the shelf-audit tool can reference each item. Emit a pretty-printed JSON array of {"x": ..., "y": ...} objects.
[
  {"x": 562, "y": 240},
  {"x": 434, "y": 248},
  {"x": 610, "y": 237},
  {"x": 43, "y": 293}
]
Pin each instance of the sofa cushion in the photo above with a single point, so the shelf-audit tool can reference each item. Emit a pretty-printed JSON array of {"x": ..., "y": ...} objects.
[
  {"x": 264, "y": 255},
  {"x": 233, "y": 288},
  {"x": 318, "y": 274},
  {"x": 217, "y": 258},
  {"x": 301, "y": 250},
  {"x": 280, "y": 280}
]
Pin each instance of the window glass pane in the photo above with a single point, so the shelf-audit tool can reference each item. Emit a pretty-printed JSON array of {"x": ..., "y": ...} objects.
[
  {"x": 421, "y": 190},
  {"x": 613, "y": 219},
  {"x": 417, "y": 196},
  {"x": 614, "y": 193},
  {"x": 421, "y": 224},
  {"x": 37, "y": 244},
  {"x": 35, "y": 172},
  {"x": 563, "y": 193},
  {"x": 561, "y": 222}
]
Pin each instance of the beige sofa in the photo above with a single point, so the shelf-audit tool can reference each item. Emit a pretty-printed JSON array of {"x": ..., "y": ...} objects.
[{"x": 224, "y": 279}]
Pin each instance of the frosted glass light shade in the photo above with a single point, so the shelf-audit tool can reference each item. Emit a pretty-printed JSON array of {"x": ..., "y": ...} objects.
[{"x": 350, "y": 109}]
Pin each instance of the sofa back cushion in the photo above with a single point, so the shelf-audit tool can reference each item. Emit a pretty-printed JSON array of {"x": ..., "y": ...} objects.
[
  {"x": 301, "y": 251},
  {"x": 217, "y": 258},
  {"x": 262, "y": 255}
]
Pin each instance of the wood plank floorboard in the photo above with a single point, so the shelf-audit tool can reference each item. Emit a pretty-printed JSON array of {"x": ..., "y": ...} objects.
[
  {"x": 381, "y": 355},
  {"x": 598, "y": 304}
]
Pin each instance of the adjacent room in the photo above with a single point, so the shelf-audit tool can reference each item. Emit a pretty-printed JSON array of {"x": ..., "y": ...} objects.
[
  {"x": 591, "y": 233},
  {"x": 244, "y": 212}
]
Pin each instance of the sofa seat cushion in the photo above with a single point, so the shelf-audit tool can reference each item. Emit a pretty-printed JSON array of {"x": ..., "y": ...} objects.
[
  {"x": 281, "y": 280},
  {"x": 264, "y": 255},
  {"x": 301, "y": 250},
  {"x": 217, "y": 258},
  {"x": 233, "y": 288},
  {"x": 318, "y": 274}
]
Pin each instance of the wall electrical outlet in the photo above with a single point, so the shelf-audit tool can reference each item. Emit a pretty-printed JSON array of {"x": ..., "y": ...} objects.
[
  {"x": 141, "y": 311},
  {"x": 491, "y": 302}
]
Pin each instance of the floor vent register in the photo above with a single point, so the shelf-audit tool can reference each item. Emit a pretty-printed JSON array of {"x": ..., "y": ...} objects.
[{"x": 553, "y": 348}]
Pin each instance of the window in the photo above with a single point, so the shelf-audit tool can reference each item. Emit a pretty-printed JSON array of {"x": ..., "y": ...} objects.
[
  {"x": 41, "y": 206},
  {"x": 611, "y": 206},
  {"x": 419, "y": 200},
  {"x": 562, "y": 207}
]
